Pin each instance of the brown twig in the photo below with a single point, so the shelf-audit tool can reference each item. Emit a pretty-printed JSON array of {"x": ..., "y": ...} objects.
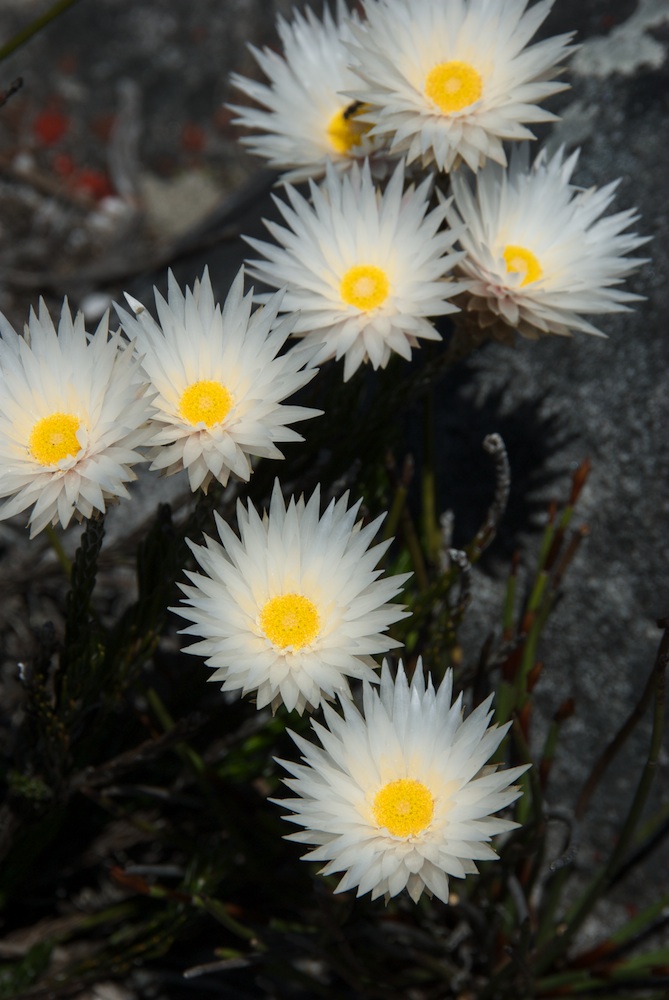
[
  {"x": 12, "y": 89},
  {"x": 495, "y": 447}
]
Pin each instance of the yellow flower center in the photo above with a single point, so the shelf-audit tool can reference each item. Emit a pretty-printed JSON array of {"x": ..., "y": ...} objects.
[
  {"x": 55, "y": 437},
  {"x": 364, "y": 286},
  {"x": 290, "y": 620},
  {"x": 453, "y": 85},
  {"x": 519, "y": 260},
  {"x": 205, "y": 401},
  {"x": 345, "y": 130},
  {"x": 404, "y": 807}
]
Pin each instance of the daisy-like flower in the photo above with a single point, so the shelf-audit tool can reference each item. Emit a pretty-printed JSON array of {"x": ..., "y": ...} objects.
[
  {"x": 219, "y": 379},
  {"x": 363, "y": 268},
  {"x": 451, "y": 80},
  {"x": 294, "y": 606},
  {"x": 307, "y": 117},
  {"x": 538, "y": 251},
  {"x": 73, "y": 409},
  {"x": 401, "y": 798}
]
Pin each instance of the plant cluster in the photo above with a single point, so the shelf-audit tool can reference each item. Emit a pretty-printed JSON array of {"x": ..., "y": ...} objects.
[{"x": 142, "y": 800}]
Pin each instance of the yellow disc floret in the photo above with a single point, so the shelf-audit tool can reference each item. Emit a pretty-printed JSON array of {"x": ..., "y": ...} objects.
[
  {"x": 206, "y": 401},
  {"x": 365, "y": 286},
  {"x": 404, "y": 807},
  {"x": 345, "y": 130},
  {"x": 521, "y": 261},
  {"x": 290, "y": 620},
  {"x": 453, "y": 86},
  {"x": 54, "y": 438}
]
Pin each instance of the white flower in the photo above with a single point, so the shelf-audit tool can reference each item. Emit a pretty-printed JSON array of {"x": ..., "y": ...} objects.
[
  {"x": 363, "y": 268},
  {"x": 402, "y": 797},
  {"x": 450, "y": 79},
  {"x": 219, "y": 380},
  {"x": 73, "y": 409},
  {"x": 308, "y": 118},
  {"x": 538, "y": 250},
  {"x": 294, "y": 607}
]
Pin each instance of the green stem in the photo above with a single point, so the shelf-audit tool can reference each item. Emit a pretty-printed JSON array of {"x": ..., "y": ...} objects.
[
  {"x": 538, "y": 609},
  {"x": 564, "y": 712},
  {"x": 616, "y": 943},
  {"x": 431, "y": 532},
  {"x": 600, "y": 883},
  {"x": 546, "y": 540},
  {"x": 25, "y": 34},
  {"x": 219, "y": 912},
  {"x": 531, "y": 802},
  {"x": 391, "y": 525},
  {"x": 652, "y": 825},
  {"x": 505, "y": 701},
  {"x": 619, "y": 740},
  {"x": 537, "y": 594},
  {"x": 590, "y": 981},
  {"x": 167, "y": 722},
  {"x": 188, "y": 755},
  {"x": 550, "y": 746},
  {"x": 412, "y": 543},
  {"x": 551, "y": 898},
  {"x": 509, "y": 603},
  {"x": 57, "y": 547}
]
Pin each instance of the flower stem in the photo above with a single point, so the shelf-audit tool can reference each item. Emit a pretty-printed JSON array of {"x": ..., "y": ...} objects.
[
  {"x": 57, "y": 547},
  {"x": 558, "y": 945},
  {"x": 219, "y": 912},
  {"x": 431, "y": 534},
  {"x": 619, "y": 740}
]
